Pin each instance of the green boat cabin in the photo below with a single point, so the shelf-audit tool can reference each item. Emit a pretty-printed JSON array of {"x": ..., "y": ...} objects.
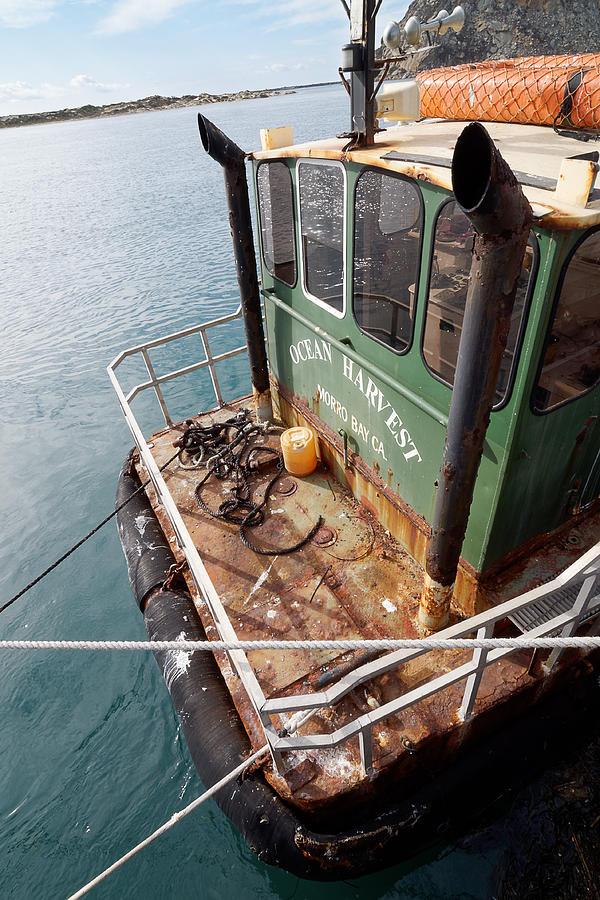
[{"x": 365, "y": 259}]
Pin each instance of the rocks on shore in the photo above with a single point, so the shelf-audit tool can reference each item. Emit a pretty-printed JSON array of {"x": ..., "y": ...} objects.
[
  {"x": 147, "y": 104},
  {"x": 508, "y": 28}
]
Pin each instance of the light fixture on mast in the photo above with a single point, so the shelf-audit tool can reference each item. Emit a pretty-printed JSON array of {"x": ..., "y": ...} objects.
[
  {"x": 414, "y": 30},
  {"x": 400, "y": 100}
]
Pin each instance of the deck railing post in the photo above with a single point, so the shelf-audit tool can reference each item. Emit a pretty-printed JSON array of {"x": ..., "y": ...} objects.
[
  {"x": 156, "y": 386},
  {"x": 365, "y": 743},
  {"x": 579, "y": 608},
  {"x": 270, "y": 737},
  {"x": 211, "y": 367},
  {"x": 474, "y": 680}
]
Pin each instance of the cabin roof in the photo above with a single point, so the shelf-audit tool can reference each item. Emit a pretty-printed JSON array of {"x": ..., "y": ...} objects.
[{"x": 559, "y": 185}]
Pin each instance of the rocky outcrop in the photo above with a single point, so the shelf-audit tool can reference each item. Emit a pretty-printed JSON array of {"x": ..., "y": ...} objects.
[
  {"x": 147, "y": 104},
  {"x": 496, "y": 29}
]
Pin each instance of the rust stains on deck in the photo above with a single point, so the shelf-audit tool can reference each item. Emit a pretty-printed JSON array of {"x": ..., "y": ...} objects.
[{"x": 352, "y": 580}]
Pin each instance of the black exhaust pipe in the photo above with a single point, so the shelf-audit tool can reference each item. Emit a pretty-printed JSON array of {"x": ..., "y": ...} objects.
[
  {"x": 488, "y": 192},
  {"x": 232, "y": 159}
]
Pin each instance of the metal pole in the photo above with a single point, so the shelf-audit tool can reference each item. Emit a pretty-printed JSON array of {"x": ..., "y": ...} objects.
[
  {"x": 232, "y": 159},
  {"x": 489, "y": 194},
  {"x": 362, "y": 79}
]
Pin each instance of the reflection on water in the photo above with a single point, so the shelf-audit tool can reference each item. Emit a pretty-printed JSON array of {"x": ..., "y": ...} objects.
[{"x": 114, "y": 232}]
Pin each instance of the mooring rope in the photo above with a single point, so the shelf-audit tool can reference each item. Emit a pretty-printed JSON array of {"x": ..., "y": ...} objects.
[
  {"x": 198, "y": 441},
  {"x": 428, "y": 643},
  {"x": 176, "y": 817},
  {"x": 86, "y": 537},
  {"x": 296, "y": 722}
]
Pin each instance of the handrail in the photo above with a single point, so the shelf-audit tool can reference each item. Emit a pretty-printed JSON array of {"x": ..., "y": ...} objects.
[
  {"x": 174, "y": 336},
  {"x": 208, "y": 362},
  {"x": 586, "y": 571},
  {"x": 590, "y": 561},
  {"x": 196, "y": 566}
]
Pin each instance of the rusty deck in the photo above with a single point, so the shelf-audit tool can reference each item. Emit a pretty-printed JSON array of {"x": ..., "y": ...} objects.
[{"x": 351, "y": 580}]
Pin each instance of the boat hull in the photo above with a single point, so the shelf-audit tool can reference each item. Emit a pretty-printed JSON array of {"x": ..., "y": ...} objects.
[{"x": 400, "y": 825}]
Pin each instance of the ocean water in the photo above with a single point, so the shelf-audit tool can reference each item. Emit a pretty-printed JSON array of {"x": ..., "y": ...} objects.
[{"x": 114, "y": 231}]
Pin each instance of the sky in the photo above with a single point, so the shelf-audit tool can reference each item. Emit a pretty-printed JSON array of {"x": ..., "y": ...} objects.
[{"x": 65, "y": 53}]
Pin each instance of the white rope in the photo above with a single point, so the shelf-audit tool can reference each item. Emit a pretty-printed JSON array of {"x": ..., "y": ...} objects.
[
  {"x": 429, "y": 643},
  {"x": 426, "y": 643},
  {"x": 211, "y": 646},
  {"x": 176, "y": 817}
]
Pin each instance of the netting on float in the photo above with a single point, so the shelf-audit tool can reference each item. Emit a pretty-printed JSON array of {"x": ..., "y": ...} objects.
[{"x": 538, "y": 90}]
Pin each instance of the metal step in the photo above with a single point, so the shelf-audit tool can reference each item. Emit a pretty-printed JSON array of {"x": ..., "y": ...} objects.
[{"x": 554, "y": 604}]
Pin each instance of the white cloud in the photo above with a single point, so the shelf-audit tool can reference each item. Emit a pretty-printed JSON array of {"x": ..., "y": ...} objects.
[
  {"x": 21, "y": 90},
  {"x": 24, "y": 13},
  {"x": 86, "y": 81},
  {"x": 307, "y": 12},
  {"x": 283, "y": 67},
  {"x": 82, "y": 80},
  {"x": 17, "y": 91},
  {"x": 129, "y": 15}
]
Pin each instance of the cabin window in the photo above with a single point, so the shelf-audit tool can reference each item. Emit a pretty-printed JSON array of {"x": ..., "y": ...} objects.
[
  {"x": 321, "y": 187},
  {"x": 276, "y": 206},
  {"x": 571, "y": 365},
  {"x": 449, "y": 276},
  {"x": 388, "y": 221}
]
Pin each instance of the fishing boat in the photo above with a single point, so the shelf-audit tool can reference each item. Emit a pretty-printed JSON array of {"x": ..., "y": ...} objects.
[{"x": 419, "y": 456}]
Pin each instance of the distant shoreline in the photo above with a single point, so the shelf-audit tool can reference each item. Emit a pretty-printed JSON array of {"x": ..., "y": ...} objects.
[{"x": 146, "y": 104}]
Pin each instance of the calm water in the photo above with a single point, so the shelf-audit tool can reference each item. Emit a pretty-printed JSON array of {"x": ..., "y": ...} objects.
[{"x": 114, "y": 231}]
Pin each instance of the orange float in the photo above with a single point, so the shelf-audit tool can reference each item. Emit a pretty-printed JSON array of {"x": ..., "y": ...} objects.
[{"x": 537, "y": 90}]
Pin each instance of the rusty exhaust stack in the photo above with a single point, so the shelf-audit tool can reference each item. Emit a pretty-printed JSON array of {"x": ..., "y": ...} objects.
[
  {"x": 489, "y": 194},
  {"x": 232, "y": 159}
]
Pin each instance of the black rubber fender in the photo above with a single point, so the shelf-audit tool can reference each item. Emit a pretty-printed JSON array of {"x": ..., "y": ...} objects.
[{"x": 147, "y": 552}]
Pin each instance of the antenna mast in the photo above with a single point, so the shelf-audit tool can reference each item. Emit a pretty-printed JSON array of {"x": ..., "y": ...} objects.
[{"x": 358, "y": 59}]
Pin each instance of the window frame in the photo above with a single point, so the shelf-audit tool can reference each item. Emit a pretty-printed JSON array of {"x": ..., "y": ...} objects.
[
  {"x": 559, "y": 286},
  {"x": 524, "y": 318},
  {"x": 302, "y": 161},
  {"x": 283, "y": 162},
  {"x": 400, "y": 177}
]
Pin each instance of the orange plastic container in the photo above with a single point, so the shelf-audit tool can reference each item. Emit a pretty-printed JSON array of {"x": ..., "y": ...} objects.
[{"x": 299, "y": 452}]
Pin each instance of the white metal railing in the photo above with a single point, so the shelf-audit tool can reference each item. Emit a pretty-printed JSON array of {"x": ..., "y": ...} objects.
[
  {"x": 197, "y": 569},
  {"x": 155, "y": 381},
  {"x": 582, "y": 579},
  {"x": 583, "y": 575}
]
